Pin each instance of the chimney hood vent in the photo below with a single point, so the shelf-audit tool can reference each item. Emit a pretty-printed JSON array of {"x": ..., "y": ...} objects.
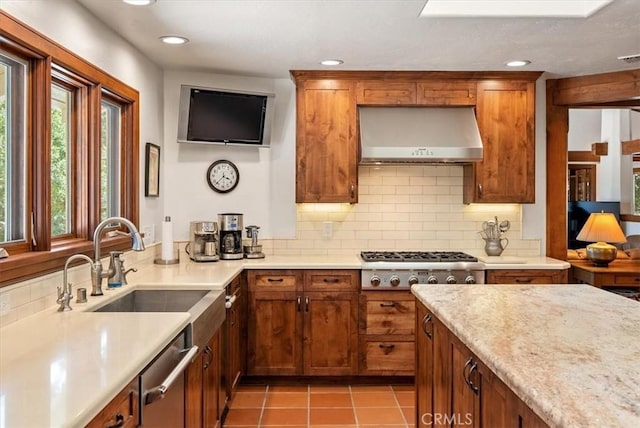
[{"x": 419, "y": 135}]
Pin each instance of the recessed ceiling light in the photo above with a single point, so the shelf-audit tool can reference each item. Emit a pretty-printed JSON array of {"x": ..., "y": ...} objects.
[
  {"x": 510, "y": 8},
  {"x": 174, "y": 40},
  {"x": 518, "y": 63},
  {"x": 332, "y": 62},
  {"x": 139, "y": 2}
]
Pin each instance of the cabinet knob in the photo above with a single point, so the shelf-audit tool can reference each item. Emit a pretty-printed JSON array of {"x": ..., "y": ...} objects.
[{"x": 119, "y": 421}]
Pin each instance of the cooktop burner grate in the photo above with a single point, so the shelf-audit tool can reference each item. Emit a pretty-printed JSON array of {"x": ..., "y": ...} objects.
[{"x": 416, "y": 256}]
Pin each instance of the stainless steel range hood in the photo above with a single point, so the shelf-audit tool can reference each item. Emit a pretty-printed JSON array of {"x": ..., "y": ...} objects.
[{"x": 419, "y": 135}]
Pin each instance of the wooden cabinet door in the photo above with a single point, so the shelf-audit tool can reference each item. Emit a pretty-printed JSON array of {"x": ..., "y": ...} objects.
[
  {"x": 386, "y": 93},
  {"x": 213, "y": 394},
  {"x": 446, "y": 93},
  {"x": 123, "y": 411},
  {"x": 499, "y": 405},
  {"x": 330, "y": 333},
  {"x": 326, "y": 148},
  {"x": 424, "y": 366},
  {"x": 505, "y": 112},
  {"x": 193, "y": 391},
  {"x": 465, "y": 387},
  {"x": 274, "y": 331},
  {"x": 234, "y": 344}
]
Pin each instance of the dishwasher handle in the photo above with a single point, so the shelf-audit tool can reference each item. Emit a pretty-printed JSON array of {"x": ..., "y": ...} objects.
[{"x": 158, "y": 392}]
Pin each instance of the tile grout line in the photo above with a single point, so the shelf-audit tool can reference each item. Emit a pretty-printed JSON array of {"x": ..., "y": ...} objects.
[
  {"x": 395, "y": 397},
  {"x": 353, "y": 407},
  {"x": 264, "y": 404}
]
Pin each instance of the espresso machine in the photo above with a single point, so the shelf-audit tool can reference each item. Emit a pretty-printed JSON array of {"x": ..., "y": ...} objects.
[
  {"x": 203, "y": 241},
  {"x": 253, "y": 250},
  {"x": 230, "y": 236}
]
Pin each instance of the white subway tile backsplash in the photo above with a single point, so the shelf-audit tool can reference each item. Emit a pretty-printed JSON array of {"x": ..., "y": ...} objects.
[{"x": 400, "y": 208}]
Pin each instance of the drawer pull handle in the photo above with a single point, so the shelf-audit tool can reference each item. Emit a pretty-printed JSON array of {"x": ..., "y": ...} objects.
[
  {"x": 306, "y": 304},
  {"x": 275, "y": 279},
  {"x": 331, "y": 280},
  {"x": 119, "y": 421},
  {"x": 388, "y": 304},
  {"x": 299, "y": 302},
  {"x": 524, "y": 280},
  {"x": 427, "y": 320},
  {"x": 387, "y": 347}
]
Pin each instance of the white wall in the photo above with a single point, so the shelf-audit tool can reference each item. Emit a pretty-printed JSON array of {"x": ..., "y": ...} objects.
[
  {"x": 72, "y": 26},
  {"x": 266, "y": 190}
]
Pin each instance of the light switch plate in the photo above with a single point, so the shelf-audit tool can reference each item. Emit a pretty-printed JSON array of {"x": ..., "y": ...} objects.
[{"x": 327, "y": 229}]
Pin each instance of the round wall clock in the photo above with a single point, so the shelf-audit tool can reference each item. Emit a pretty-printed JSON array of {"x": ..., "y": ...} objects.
[{"x": 223, "y": 176}]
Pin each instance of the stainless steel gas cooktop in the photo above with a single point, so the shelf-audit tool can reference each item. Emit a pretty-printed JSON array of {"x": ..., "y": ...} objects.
[{"x": 388, "y": 270}]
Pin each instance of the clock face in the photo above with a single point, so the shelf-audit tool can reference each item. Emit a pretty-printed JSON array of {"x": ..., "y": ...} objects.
[{"x": 223, "y": 176}]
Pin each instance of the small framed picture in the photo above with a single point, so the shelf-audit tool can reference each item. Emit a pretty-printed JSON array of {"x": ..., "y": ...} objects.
[{"x": 152, "y": 170}]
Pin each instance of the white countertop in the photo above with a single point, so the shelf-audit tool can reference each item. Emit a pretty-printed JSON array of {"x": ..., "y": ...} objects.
[
  {"x": 570, "y": 352},
  {"x": 513, "y": 262},
  {"x": 60, "y": 369}
]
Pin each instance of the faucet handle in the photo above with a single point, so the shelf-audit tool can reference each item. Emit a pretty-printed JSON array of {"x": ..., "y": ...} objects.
[{"x": 124, "y": 275}]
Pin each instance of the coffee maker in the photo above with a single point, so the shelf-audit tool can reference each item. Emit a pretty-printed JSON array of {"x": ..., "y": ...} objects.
[
  {"x": 203, "y": 241},
  {"x": 230, "y": 236}
]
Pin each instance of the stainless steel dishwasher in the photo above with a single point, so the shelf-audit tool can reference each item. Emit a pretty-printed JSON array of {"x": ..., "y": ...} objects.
[{"x": 162, "y": 385}]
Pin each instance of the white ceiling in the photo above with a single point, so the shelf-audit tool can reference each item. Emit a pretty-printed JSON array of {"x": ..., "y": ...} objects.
[{"x": 270, "y": 37}]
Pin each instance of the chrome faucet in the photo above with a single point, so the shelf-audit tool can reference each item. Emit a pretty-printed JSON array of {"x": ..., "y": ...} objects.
[
  {"x": 64, "y": 293},
  {"x": 96, "y": 267}
]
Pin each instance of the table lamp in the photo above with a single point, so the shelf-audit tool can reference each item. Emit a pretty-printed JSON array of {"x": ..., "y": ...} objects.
[{"x": 603, "y": 229}]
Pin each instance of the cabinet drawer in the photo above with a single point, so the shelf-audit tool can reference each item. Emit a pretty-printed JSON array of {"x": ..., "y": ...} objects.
[
  {"x": 386, "y": 93},
  {"x": 331, "y": 280},
  {"x": 387, "y": 358},
  {"x": 626, "y": 279},
  {"x": 389, "y": 317},
  {"x": 523, "y": 276},
  {"x": 446, "y": 93},
  {"x": 122, "y": 411},
  {"x": 274, "y": 280}
]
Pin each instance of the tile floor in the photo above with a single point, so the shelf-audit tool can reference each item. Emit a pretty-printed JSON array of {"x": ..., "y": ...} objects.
[{"x": 348, "y": 406}]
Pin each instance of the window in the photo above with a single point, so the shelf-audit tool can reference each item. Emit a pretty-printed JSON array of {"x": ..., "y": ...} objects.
[
  {"x": 60, "y": 160},
  {"x": 76, "y": 128},
  {"x": 110, "y": 160},
  {"x": 13, "y": 74},
  {"x": 636, "y": 191}
]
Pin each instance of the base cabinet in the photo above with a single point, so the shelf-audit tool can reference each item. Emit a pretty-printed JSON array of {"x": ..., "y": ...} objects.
[
  {"x": 204, "y": 390},
  {"x": 234, "y": 341},
  {"x": 302, "y": 322},
  {"x": 122, "y": 411},
  {"x": 387, "y": 333},
  {"x": 455, "y": 388}
]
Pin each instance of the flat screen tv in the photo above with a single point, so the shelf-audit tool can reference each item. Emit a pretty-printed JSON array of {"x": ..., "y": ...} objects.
[{"x": 217, "y": 116}]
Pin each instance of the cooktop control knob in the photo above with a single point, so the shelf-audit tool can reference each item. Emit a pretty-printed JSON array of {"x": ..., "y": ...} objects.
[
  {"x": 394, "y": 281},
  {"x": 413, "y": 280},
  {"x": 451, "y": 279},
  {"x": 469, "y": 279},
  {"x": 432, "y": 279},
  {"x": 375, "y": 280}
]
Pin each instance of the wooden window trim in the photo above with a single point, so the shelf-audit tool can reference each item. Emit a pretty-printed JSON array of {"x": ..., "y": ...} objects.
[{"x": 48, "y": 59}]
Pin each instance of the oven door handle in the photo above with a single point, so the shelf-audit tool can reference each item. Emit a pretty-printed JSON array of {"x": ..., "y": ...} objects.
[{"x": 158, "y": 392}]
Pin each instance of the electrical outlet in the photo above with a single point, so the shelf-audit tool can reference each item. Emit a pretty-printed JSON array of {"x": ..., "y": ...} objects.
[
  {"x": 149, "y": 234},
  {"x": 5, "y": 303},
  {"x": 327, "y": 229}
]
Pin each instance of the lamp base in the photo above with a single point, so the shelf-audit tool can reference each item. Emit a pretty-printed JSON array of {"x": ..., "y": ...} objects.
[{"x": 601, "y": 253}]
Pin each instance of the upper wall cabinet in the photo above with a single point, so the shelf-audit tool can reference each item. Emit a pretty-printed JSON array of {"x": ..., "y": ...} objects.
[
  {"x": 424, "y": 93},
  {"x": 505, "y": 113},
  {"x": 327, "y": 127},
  {"x": 327, "y": 145}
]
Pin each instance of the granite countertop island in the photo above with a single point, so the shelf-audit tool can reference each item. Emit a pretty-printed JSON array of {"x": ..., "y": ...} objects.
[{"x": 570, "y": 352}]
